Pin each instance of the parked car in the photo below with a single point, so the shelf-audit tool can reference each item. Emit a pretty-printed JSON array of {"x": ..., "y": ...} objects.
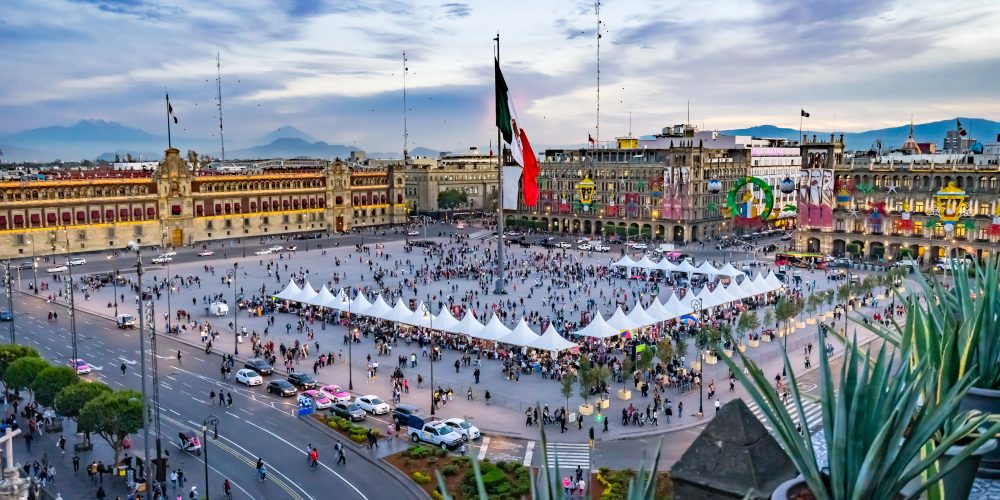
[
  {"x": 336, "y": 393},
  {"x": 372, "y": 404},
  {"x": 319, "y": 399},
  {"x": 162, "y": 259},
  {"x": 259, "y": 365},
  {"x": 281, "y": 387},
  {"x": 249, "y": 377},
  {"x": 601, "y": 248},
  {"x": 77, "y": 261},
  {"x": 348, "y": 410},
  {"x": 463, "y": 428},
  {"x": 206, "y": 253},
  {"x": 563, "y": 244},
  {"x": 434, "y": 432},
  {"x": 5, "y": 315},
  {"x": 302, "y": 380},
  {"x": 585, "y": 247},
  {"x": 57, "y": 269},
  {"x": 582, "y": 240}
]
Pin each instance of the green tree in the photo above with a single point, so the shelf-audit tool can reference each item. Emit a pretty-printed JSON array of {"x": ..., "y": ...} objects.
[
  {"x": 665, "y": 350},
  {"x": 682, "y": 346},
  {"x": 50, "y": 381},
  {"x": 747, "y": 323},
  {"x": 13, "y": 352},
  {"x": 628, "y": 368},
  {"x": 112, "y": 416},
  {"x": 785, "y": 311},
  {"x": 769, "y": 317},
  {"x": 600, "y": 376},
  {"x": 21, "y": 373},
  {"x": 72, "y": 399},
  {"x": 843, "y": 293},
  {"x": 567, "y": 387},
  {"x": 453, "y": 198},
  {"x": 644, "y": 360}
]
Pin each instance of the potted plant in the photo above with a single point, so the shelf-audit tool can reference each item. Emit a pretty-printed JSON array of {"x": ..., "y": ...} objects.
[
  {"x": 812, "y": 304},
  {"x": 748, "y": 322},
  {"x": 599, "y": 377},
  {"x": 702, "y": 339},
  {"x": 876, "y": 424},
  {"x": 769, "y": 319},
  {"x": 567, "y": 387},
  {"x": 665, "y": 351},
  {"x": 725, "y": 337},
  {"x": 681, "y": 348},
  {"x": 585, "y": 380},
  {"x": 628, "y": 367},
  {"x": 956, "y": 333}
]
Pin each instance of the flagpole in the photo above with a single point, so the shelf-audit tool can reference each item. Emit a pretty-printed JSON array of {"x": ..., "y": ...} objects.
[
  {"x": 170, "y": 143},
  {"x": 500, "y": 289}
]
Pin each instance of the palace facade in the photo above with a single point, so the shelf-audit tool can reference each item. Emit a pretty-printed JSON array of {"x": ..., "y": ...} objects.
[{"x": 179, "y": 204}]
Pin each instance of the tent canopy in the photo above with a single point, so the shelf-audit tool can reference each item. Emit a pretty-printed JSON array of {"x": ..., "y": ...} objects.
[
  {"x": 470, "y": 326},
  {"x": 445, "y": 321},
  {"x": 640, "y": 317},
  {"x": 290, "y": 291},
  {"x": 625, "y": 261},
  {"x": 495, "y": 329},
  {"x": 620, "y": 321},
  {"x": 308, "y": 293},
  {"x": 400, "y": 312},
  {"x": 598, "y": 328},
  {"x": 521, "y": 335},
  {"x": 380, "y": 308},
  {"x": 324, "y": 298},
  {"x": 552, "y": 341}
]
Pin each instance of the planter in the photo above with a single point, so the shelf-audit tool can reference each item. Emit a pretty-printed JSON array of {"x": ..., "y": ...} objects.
[
  {"x": 958, "y": 482},
  {"x": 754, "y": 343},
  {"x": 787, "y": 489},
  {"x": 624, "y": 394},
  {"x": 729, "y": 352},
  {"x": 986, "y": 401},
  {"x": 811, "y": 321},
  {"x": 586, "y": 410},
  {"x": 879, "y": 297},
  {"x": 741, "y": 347},
  {"x": 780, "y": 332},
  {"x": 850, "y": 308},
  {"x": 81, "y": 447},
  {"x": 800, "y": 324},
  {"x": 711, "y": 359},
  {"x": 603, "y": 403},
  {"x": 765, "y": 338},
  {"x": 696, "y": 366}
]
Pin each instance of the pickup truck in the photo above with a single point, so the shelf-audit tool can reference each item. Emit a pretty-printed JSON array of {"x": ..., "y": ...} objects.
[{"x": 434, "y": 432}]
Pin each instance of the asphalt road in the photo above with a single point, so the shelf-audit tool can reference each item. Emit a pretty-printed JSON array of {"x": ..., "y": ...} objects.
[{"x": 257, "y": 425}]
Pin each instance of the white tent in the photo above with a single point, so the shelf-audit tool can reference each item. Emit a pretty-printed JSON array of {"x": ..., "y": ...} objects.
[
  {"x": 359, "y": 305},
  {"x": 337, "y": 299},
  {"x": 598, "y": 328},
  {"x": 379, "y": 308},
  {"x": 640, "y": 317},
  {"x": 686, "y": 267},
  {"x": 665, "y": 265},
  {"x": 625, "y": 261},
  {"x": 445, "y": 321},
  {"x": 729, "y": 270},
  {"x": 495, "y": 329},
  {"x": 400, "y": 313},
  {"x": 324, "y": 298},
  {"x": 747, "y": 288},
  {"x": 707, "y": 268},
  {"x": 724, "y": 295},
  {"x": 290, "y": 292},
  {"x": 308, "y": 293},
  {"x": 705, "y": 296},
  {"x": 657, "y": 310},
  {"x": 521, "y": 335},
  {"x": 620, "y": 321},
  {"x": 675, "y": 308},
  {"x": 552, "y": 341},
  {"x": 469, "y": 325},
  {"x": 420, "y": 317},
  {"x": 760, "y": 283},
  {"x": 772, "y": 281},
  {"x": 645, "y": 263}
]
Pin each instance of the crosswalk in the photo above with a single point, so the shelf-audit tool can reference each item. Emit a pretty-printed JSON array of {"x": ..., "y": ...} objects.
[
  {"x": 570, "y": 455},
  {"x": 813, "y": 413}
]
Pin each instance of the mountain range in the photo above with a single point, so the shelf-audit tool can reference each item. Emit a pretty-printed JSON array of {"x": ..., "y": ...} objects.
[{"x": 103, "y": 139}]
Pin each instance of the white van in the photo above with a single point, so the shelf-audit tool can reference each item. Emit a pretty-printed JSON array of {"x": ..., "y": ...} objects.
[
  {"x": 218, "y": 309},
  {"x": 125, "y": 321}
]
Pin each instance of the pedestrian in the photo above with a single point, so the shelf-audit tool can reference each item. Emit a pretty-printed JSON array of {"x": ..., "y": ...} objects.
[
  {"x": 181, "y": 479},
  {"x": 123, "y": 369},
  {"x": 341, "y": 458},
  {"x": 62, "y": 444},
  {"x": 566, "y": 485},
  {"x": 669, "y": 412},
  {"x": 229, "y": 399},
  {"x": 591, "y": 438},
  {"x": 101, "y": 469},
  {"x": 468, "y": 395},
  {"x": 101, "y": 495},
  {"x": 222, "y": 399},
  {"x": 211, "y": 397},
  {"x": 314, "y": 458},
  {"x": 680, "y": 409},
  {"x": 487, "y": 397},
  {"x": 476, "y": 375},
  {"x": 580, "y": 487},
  {"x": 173, "y": 479},
  {"x": 52, "y": 474},
  {"x": 462, "y": 450},
  {"x": 92, "y": 472},
  {"x": 718, "y": 405},
  {"x": 193, "y": 493},
  {"x": 76, "y": 463},
  {"x": 605, "y": 424},
  {"x": 579, "y": 473}
]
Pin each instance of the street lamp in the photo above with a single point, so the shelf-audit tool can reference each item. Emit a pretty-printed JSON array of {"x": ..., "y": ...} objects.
[
  {"x": 10, "y": 301},
  {"x": 114, "y": 283},
  {"x": 214, "y": 422},
  {"x": 430, "y": 322},
  {"x": 145, "y": 316},
  {"x": 696, "y": 305},
  {"x": 236, "y": 313},
  {"x": 69, "y": 297},
  {"x": 34, "y": 264},
  {"x": 345, "y": 301}
]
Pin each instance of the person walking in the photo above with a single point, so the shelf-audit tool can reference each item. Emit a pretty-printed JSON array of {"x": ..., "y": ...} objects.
[
  {"x": 680, "y": 409},
  {"x": 124, "y": 367},
  {"x": 173, "y": 479},
  {"x": 76, "y": 463},
  {"x": 718, "y": 405},
  {"x": 211, "y": 397},
  {"x": 591, "y": 437},
  {"x": 341, "y": 458}
]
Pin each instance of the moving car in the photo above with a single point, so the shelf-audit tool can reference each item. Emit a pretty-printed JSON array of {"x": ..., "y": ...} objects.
[
  {"x": 206, "y": 253},
  {"x": 259, "y": 365},
  {"x": 372, "y": 404},
  {"x": 336, "y": 393},
  {"x": 281, "y": 387},
  {"x": 266, "y": 251},
  {"x": 639, "y": 246},
  {"x": 319, "y": 399},
  {"x": 248, "y": 377},
  {"x": 5, "y": 315},
  {"x": 27, "y": 264},
  {"x": 601, "y": 248},
  {"x": 162, "y": 259},
  {"x": 125, "y": 321},
  {"x": 563, "y": 244},
  {"x": 434, "y": 432},
  {"x": 348, "y": 410},
  {"x": 413, "y": 233},
  {"x": 292, "y": 248},
  {"x": 585, "y": 247},
  {"x": 275, "y": 248},
  {"x": 82, "y": 368},
  {"x": 169, "y": 253},
  {"x": 77, "y": 261},
  {"x": 463, "y": 428},
  {"x": 302, "y": 380},
  {"x": 401, "y": 413},
  {"x": 57, "y": 269},
  {"x": 583, "y": 240}
]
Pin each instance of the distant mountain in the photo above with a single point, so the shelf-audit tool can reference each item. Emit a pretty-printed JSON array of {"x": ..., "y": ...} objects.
[
  {"x": 136, "y": 155},
  {"x": 86, "y": 131},
  {"x": 292, "y": 148},
  {"x": 415, "y": 152},
  {"x": 979, "y": 128},
  {"x": 13, "y": 153},
  {"x": 286, "y": 132}
]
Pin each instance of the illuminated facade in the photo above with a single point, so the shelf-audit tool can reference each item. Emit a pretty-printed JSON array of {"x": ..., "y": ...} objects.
[{"x": 179, "y": 205}]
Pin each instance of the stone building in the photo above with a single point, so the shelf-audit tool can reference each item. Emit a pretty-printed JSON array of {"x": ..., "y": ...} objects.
[
  {"x": 919, "y": 206},
  {"x": 178, "y": 204},
  {"x": 473, "y": 173}
]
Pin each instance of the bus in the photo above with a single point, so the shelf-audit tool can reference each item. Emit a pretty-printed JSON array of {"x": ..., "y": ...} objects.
[{"x": 804, "y": 260}]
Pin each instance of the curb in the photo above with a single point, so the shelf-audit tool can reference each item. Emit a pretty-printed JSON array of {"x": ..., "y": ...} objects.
[{"x": 377, "y": 462}]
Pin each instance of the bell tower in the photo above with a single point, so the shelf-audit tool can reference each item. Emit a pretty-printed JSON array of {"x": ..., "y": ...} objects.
[{"x": 173, "y": 186}]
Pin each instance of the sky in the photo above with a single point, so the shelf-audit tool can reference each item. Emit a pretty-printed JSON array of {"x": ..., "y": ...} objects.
[{"x": 335, "y": 68}]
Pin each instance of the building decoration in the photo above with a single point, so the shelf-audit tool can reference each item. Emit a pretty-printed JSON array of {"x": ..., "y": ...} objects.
[
  {"x": 585, "y": 190},
  {"x": 950, "y": 202},
  {"x": 744, "y": 213}
]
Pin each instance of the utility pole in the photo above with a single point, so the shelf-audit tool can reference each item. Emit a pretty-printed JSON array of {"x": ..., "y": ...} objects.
[
  {"x": 145, "y": 317},
  {"x": 10, "y": 301},
  {"x": 70, "y": 302},
  {"x": 500, "y": 285}
]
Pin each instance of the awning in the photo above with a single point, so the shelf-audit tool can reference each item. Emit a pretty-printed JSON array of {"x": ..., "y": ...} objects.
[
  {"x": 469, "y": 325},
  {"x": 521, "y": 335},
  {"x": 620, "y": 321},
  {"x": 495, "y": 329},
  {"x": 598, "y": 328},
  {"x": 379, "y": 308},
  {"x": 290, "y": 292},
  {"x": 552, "y": 341},
  {"x": 640, "y": 317}
]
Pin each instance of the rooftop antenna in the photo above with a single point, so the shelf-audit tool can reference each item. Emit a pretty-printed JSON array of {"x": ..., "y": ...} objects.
[
  {"x": 597, "y": 11},
  {"x": 218, "y": 87},
  {"x": 688, "y": 122},
  {"x": 406, "y": 135}
]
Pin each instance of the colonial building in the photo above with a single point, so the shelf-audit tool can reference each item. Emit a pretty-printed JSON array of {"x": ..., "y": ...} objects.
[
  {"x": 920, "y": 206},
  {"x": 473, "y": 173},
  {"x": 179, "y": 204},
  {"x": 674, "y": 187}
]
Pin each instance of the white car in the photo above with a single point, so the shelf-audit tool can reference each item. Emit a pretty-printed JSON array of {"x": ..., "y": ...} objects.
[
  {"x": 563, "y": 244},
  {"x": 372, "y": 404},
  {"x": 640, "y": 246},
  {"x": 583, "y": 240},
  {"x": 57, "y": 269},
  {"x": 206, "y": 253},
  {"x": 266, "y": 251},
  {"x": 77, "y": 261},
  {"x": 601, "y": 248},
  {"x": 249, "y": 377},
  {"x": 463, "y": 428},
  {"x": 413, "y": 233},
  {"x": 585, "y": 247},
  {"x": 162, "y": 259},
  {"x": 169, "y": 254},
  {"x": 276, "y": 248}
]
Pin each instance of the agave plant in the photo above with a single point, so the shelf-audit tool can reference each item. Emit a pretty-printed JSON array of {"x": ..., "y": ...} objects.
[
  {"x": 549, "y": 485},
  {"x": 875, "y": 426}
]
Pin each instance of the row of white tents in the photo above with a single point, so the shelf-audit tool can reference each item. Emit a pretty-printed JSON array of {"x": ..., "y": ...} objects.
[
  {"x": 684, "y": 266},
  {"x": 521, "y": 334}
]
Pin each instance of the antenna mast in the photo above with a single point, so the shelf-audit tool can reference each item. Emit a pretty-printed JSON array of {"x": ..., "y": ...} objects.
[
  {"x": 406, "y": 135},
  {"x": 218, "y": 86},
  {"x": 597, "y": 11}
]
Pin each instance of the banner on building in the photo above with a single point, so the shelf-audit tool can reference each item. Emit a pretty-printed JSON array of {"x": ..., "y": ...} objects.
[
  {"x": 511, "y": 186},
  {"x": 815, "y": 205}
]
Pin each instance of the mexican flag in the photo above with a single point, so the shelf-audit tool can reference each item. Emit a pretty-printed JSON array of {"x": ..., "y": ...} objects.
[{"x": 517, "y": 140}]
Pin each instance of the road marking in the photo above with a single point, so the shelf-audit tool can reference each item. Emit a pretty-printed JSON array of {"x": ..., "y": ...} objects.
[
  {"x": 568, "y": 454},
  {"x": 528, "y": 453},
  {"x": 483, "y": 446},
  {"x": 812, "y": 411}
]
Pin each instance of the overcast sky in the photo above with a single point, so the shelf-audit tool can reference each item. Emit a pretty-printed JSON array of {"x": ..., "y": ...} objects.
[{"x": 334, "y": 68}]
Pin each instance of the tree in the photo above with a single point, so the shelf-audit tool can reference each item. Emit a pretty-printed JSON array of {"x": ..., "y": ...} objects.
[
  {"x": 769, "y": 317},
  {"x": 665, "y": 350},
  {"x": 643, "y": 360},
  {"x": 785, "y": 311},
  {"x": 12, "y": 352},
  {"x": 813, "y": 303},
  {"x": 600, "y": 376},
  {"x": 72, "y": 399},
  {"x": 21, "y": 373},
  {"x": 843, "y": 293},
  {"x": 50, "y": 381},
  {"x": 453, "y": 198},
  {"x": 748, "y": 322},
  {"x": 682, "y": 346},
  {"x": 567, "y": 387},
  {"x": 112, "y": 416},
  {"x": 628, "y": 368}
]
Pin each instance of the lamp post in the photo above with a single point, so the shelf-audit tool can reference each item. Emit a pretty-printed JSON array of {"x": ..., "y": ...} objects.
[
  {"x": 236, "y": 313},
  {"x": 145, "y": 316},
  {"x": 114, "y": 283},
  {"x": 430, "y": 322},
  {"x": 10, "y": 301},
  {"x": 696, "y": 304},
  {"x": 345, "y": 301},
  {"x": 34, "y": 264},
  {"x": 69, "y": 297},
  {"x": 214, "y": 422}
]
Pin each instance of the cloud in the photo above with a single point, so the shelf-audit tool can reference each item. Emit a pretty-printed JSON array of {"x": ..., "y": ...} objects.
[
  {"x": 141, "y": 9},
  {"x": 455, "y": 9}
]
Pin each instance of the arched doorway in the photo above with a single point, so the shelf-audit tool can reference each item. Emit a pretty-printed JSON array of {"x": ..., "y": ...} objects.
[
  {"x": 876, "y": 251},
  {"x": 646, "y": 232},
  {"x": 812, "y": 245},
  {"x": 633, "y": 230},
  {"x": 895, "y": 251},
  {"x": 678, "y": 234},
  {"x": 598, "y": 228},
  {"x": 839, "y": 248},
  {"x": 660, "y": 230},
  {"x": 856, "y": 249},
  {"x": 694, "y": 233},
  {"x": 587, "y": 228},
  {"x": 576, "y": 226}
]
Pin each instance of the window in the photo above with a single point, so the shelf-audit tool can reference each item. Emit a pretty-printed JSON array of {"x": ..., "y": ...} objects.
[
  {"x": 111, "y": 232},
  {"x": 229, "y": 224},
  {"x": 919, "y": 207},
  {"x": 176, "y": 209},
  {"x": 208, "y": 225},
  {"x": 137, "y": 231}
]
